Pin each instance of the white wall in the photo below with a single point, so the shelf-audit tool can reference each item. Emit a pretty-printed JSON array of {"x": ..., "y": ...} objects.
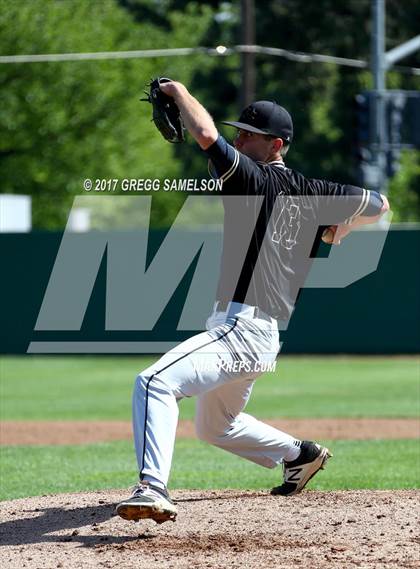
[{"x": 15, "y": 213}]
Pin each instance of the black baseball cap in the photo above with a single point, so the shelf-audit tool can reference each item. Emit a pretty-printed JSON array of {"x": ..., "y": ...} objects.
[{"x": 265, "y": 117}]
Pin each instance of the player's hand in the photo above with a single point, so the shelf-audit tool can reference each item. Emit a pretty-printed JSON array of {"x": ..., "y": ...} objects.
[
  {"x": 341, "y": 231},
  {"x": 386, "y": 207},
  {"x": 333, "y": 234},
  {"x": 172, "y": 88}
]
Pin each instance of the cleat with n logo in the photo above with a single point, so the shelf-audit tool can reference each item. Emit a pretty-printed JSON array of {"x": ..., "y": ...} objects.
[
  {"x": 294, "y": 474},
  {"x": 297, "y": 473}
]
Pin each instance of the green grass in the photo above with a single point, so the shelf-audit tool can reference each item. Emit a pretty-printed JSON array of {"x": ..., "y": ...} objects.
[
  {"x": 87, "y": 388},
  {"x": 31, "y": 471}
]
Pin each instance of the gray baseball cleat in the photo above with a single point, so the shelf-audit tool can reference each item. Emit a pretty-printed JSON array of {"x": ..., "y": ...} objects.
[
  {"x": 147, "y": 502},
  {"x": 298, "y": 472}
]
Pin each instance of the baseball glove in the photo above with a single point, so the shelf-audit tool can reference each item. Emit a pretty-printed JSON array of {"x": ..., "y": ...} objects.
[{"x": 166, "y": 115}]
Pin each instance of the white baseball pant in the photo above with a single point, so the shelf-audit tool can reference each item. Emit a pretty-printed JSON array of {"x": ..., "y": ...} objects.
[{"x": 218, "y": 366}]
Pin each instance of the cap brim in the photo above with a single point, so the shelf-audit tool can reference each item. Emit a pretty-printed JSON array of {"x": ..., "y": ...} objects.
[{"x": 244, "y": 126}]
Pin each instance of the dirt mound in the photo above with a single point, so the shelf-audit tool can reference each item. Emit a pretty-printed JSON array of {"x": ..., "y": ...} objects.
[
  {"x": 216, "y": 529},
  {"x": 83, "y": 432}
]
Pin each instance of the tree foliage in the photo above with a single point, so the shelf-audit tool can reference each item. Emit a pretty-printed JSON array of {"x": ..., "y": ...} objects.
[
  {"x": 62, "y": 122},
  {"x": 321, "y": 97},
  {"x": 404, "y": 191},
  {"x": 66, "y": 121}
]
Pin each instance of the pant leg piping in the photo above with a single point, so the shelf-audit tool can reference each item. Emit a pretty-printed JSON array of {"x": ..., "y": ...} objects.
[{"x": 165, "y": 368}]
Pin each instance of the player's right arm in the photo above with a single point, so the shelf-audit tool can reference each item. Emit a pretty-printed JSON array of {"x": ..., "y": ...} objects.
[
  {"x": 237, "y": 171},
  {"x": 196, "y": 119}
]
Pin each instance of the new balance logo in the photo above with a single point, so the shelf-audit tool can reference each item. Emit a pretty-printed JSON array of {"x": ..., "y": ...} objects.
[{"x": 294, "y": 474}]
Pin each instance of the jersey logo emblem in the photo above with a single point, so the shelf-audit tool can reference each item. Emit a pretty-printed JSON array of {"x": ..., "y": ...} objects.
[{"x": 287, "y": 224}]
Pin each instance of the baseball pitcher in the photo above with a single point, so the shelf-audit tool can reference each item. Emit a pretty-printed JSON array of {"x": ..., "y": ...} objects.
[{"x": 271, "y": 214}]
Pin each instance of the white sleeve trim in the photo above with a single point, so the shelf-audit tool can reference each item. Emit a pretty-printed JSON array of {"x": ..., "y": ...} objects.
[
  {"x": 363, "y": 205},
  {"x": 209, "y": 170},
  {"x": 232, "y": 169}
]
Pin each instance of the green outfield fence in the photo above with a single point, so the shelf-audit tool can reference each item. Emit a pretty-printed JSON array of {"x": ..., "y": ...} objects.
[{"x": 379, "y": 314}]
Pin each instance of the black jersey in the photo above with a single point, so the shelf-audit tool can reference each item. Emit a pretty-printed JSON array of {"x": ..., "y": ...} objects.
[{"x": 272, "y": 214}]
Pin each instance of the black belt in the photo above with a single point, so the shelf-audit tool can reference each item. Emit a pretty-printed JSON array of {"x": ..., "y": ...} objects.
[{"x": 222, "y": 306}]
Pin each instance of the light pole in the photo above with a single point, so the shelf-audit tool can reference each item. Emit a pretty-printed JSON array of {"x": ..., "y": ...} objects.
[
  {"x": 381, "y": 62},
  {"x": 248, "y": 58},
  {"x": 378, "y": 100}
]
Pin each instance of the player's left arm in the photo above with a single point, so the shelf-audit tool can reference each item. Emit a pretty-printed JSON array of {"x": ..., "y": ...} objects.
[
  {"x": 343, "y": 229},
  {"x": 196, "y": 119},
  {"x": 351, "y": 205}
]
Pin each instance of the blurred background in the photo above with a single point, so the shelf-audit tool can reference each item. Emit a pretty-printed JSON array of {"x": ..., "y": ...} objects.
[
  {"x": 342, "y": 67},
  {"x": 351, "y": 82},
  {"x": 63, "y": 121}
]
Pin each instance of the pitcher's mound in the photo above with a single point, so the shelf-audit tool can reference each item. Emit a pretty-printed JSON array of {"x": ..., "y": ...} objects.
[{"x": 215, "y": 529}]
